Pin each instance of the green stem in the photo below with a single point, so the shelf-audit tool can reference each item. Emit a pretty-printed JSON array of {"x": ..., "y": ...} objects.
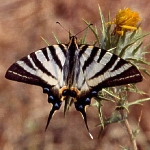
[{"x": 129, "y": 130}]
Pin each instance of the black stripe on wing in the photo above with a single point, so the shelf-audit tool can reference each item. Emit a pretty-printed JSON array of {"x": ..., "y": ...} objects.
[
  {"x": 131, "y": 75},
  {"x": 39, "y": 64},
  {"x": 83, "y": 48},
  {"x": 55, "y": 57},
  {"x": 90, "y": 58},
  {"x": 120, "y": 63},
  {"x": 102, "y": 53},
  {"x": 28, "y": 62},
  {"x": 17, "y": 73},
  {"x": 63, "y": 48},
  {"x": 107, "y": 66},
  {"x": 45, "y": 53}
]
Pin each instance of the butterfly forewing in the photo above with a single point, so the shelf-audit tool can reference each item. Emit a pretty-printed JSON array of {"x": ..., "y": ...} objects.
[
  {"x": 101, "y": 68},
  {"x": 43, "y": 67}
]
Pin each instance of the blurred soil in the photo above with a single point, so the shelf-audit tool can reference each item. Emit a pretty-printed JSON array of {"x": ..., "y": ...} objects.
[{"x": 24, "y": 108}]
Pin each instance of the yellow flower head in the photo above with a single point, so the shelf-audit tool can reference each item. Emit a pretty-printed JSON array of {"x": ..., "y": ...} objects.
[{"x": 126, "y": 19}]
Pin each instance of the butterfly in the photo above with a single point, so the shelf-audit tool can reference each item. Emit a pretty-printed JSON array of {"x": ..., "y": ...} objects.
[{"x": 73, "y": 73}]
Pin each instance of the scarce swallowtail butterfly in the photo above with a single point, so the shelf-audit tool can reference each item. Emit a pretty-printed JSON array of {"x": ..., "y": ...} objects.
[{"x": 73, "y": 73}]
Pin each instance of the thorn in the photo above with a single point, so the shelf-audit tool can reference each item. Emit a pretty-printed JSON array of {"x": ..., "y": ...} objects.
[{"x": 139, "y": 120}]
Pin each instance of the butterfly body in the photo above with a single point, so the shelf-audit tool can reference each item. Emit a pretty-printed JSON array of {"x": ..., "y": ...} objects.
[{"x": 72, "y": 72}]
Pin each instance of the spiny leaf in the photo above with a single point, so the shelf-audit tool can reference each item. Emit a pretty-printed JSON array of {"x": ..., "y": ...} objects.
[
  {"x": 57, "y": 40},
  {"x": 112, "y": 94},
  {"x": 138, "y": 102},
  {"x": 94, "y": 31},
  {"x": 105, "y": 98},
  {"x": 102, "y": 23},
  {"x": 137, "y": 48},
  {"x": 138, "y": 60},
  {"x": 84, "y": 37},
  {"x": 144, "y": 70},
  {"x": 48, "y": 44}
]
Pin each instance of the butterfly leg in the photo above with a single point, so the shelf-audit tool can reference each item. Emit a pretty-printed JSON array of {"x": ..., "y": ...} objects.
[{"x": 55, "y": 101}]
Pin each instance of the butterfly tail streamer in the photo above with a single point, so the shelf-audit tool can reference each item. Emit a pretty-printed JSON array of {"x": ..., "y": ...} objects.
[
  {"x": 55, "y": 107},
  {"x": 49, "y": 118},
  {"x": 81, "y": 108},
  {"x": 85, "y": 120}
]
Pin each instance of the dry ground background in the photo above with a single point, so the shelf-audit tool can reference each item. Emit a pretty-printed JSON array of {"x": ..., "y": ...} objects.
[{"x": 24, "y": 108}]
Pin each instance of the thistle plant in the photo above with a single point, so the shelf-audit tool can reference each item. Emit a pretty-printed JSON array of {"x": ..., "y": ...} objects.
[{"x": 124, "y": 37}]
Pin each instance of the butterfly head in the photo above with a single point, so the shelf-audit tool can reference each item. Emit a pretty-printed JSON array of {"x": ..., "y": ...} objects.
[{"x": 73, "y": 41}]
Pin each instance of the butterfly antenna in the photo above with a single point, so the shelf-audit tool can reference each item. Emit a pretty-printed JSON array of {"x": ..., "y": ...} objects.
[
  {"x": 62, "y": 26},
  {"x": 69, "y": 31},
  {"x": 84, "y": 29}
]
